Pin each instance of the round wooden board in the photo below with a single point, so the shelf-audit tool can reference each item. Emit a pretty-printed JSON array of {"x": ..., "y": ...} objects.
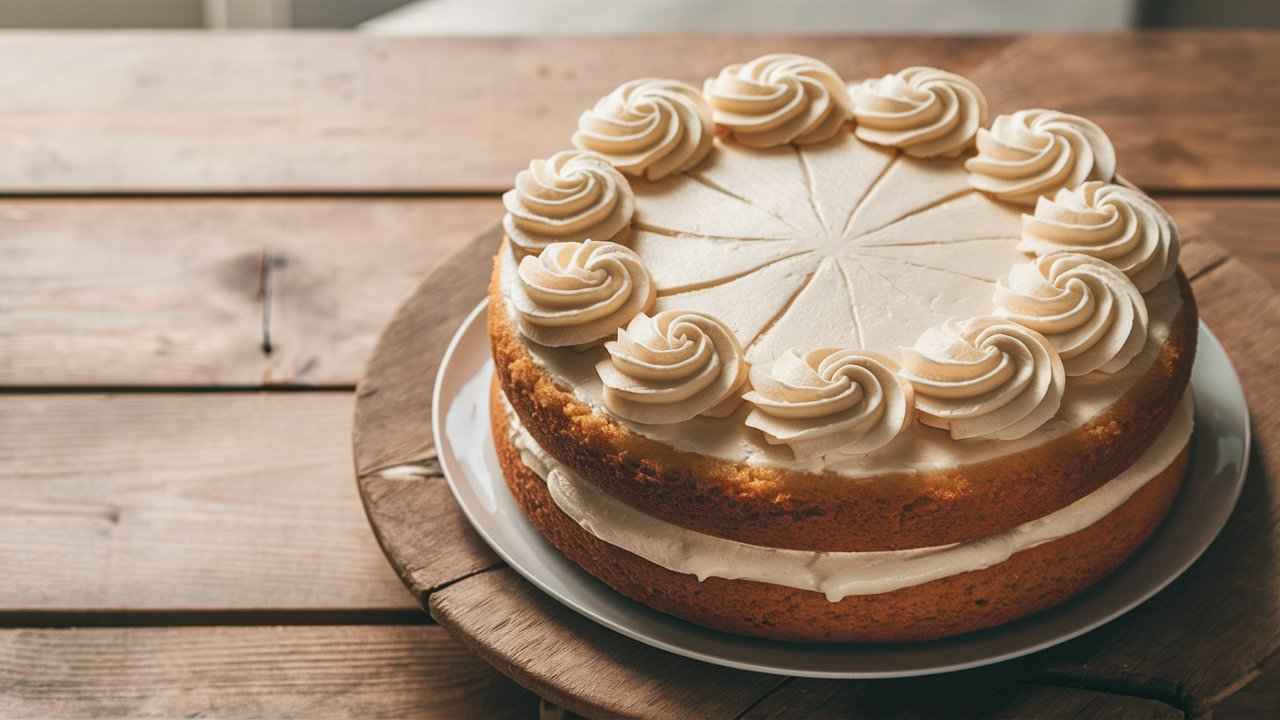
[{"x": 1191, "y": 646}]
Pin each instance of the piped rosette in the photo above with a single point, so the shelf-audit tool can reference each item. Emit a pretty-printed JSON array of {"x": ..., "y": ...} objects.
[
  {"x": 1115, "y": 223},
  {"x": 778, "y": 99},
  {"x": 923, "y": 111},
  {"x": 829, "y": 400},
  {"x": 987, "y": 378},
  {"x": 672, "y": 367},
  {"x": 574, "y": 294},
  {"x": 1036, "y": 152},
  {"x": 569, "y": 197},
  {"x": 649, "y": 128},
  {"x": 1092, "y": 313}
]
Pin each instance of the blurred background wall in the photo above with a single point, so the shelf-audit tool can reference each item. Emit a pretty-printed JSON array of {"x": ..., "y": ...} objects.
[{"x": 534, "y": 16}]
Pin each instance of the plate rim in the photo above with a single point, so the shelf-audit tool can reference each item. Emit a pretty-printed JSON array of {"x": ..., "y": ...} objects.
[{"x": 438, "y": 420}]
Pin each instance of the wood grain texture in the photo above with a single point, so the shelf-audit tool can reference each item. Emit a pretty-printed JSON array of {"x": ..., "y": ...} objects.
[
  {"x": 346, "y": 112},
  {"x": 250, "y": 672},
  {"x": 580, "y": 665},
  {"x": 1257, "y": 700},
  {"x": 423, "y": 532},
  {"x": 364, "y": 113},
  {"x": 1242, "y": 228},
  {"x": 184, "y": 502},
  {"x": 988, "y": 694},
  {"x": 185, "y": 292},
  {"x": 393, "y": 400},
  {"x": 594, "y": 672},
  {"x": 1187, "y": 111},
  {"x": 420, "y": 527}
]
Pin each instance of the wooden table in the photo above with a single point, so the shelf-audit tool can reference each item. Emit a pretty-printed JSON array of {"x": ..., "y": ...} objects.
[{"x": 201, "y": 237}]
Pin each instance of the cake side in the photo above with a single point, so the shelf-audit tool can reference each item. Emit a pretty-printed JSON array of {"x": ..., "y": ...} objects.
[{"x": 1029, "y": 581}]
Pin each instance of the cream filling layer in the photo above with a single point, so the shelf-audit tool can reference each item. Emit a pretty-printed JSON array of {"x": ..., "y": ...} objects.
[{"x": 834, "y": 574}]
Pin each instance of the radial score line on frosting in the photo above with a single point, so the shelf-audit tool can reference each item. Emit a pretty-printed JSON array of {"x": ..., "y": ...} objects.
[{"x": 835, "y": 574}]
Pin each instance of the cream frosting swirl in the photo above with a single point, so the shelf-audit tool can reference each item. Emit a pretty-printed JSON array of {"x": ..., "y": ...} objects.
[
  {"x": 649, "y": 127},
  {"x": 1116, "y": 223},
  {"x": 672, "y": 367},
  {"x": 569, "y": 197},
  {"x": 1093, "y": 314},
  {"x": 987, "y": 377},
  {"x": 829, "y": 399},
  {"x": 924, "y": 111},
  {"x": 1035, "y": 152},
  {"x": 578, "y": 293},
  {"x": 779, "y": 99}
]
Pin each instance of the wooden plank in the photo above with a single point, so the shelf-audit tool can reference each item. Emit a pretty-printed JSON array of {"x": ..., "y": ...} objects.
[
  {"x": 393, "y": 402},
  {"x": 1207, "y": 634},
  {"x": 427, "y": 539},
  {"x": 582, "y": 666},
  {"x": 178, "y": 112},
  {"x": 1177, "y": 105},
  {"x": 344, "y": 112},
  {"x": 1244, "y": 228},
  {"x": 136, "y": 292},
  {"x": 140, "y": 292},
  {"x": 586, "y": 669},
  {"x": 251, "y": 672},
  {"x": 222, "y": 501},
  {"x": 992, "y": 693},
  {"x": 1256, "y": 701}
]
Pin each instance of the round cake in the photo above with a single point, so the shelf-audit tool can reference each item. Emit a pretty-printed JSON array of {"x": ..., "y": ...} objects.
[{"x": 812, "y": 361}]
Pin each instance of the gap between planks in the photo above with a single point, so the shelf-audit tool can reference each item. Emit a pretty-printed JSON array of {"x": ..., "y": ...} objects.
[{"x": 51, "y": 619}]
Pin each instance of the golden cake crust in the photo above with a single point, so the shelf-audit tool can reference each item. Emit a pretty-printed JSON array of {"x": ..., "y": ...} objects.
[
  {"x": 777, "y": 507},
  {"x": 1029, "y": 581}
]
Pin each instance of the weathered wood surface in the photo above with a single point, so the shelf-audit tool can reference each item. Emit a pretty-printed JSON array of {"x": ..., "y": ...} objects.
[
  {"x": 163, "y": 501},
  {"x": 1171, "y": 102},
  {"x": 251, "y": 672},
  {"x": 1241, "y": 228},
  {"x": 1259, "y": 700},
  {"x": 972, "y": 695},
  {"x": 393, "y": 400},
  {"x": 351, "y": 113},
  {"x": 131, "y": 292},
  {"x": 580, "y": 665},
  {"x": 591, "y": 671}
]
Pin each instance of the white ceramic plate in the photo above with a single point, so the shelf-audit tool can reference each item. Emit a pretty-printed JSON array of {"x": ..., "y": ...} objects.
[{"x": 1221, "y": 447}]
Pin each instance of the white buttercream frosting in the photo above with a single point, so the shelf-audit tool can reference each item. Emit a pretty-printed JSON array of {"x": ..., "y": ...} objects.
[
  {"x": 779, "y": 99},
  {"x": 1036, "y": 152},
  {"x": 835, "y": 244},
  {"x": 577, "y": 293},
  {"x": 671, "y": 367},
  {"x": 569, "y": 197},
  {"x": 986, "y": 377},
  {"x": 835, "y": 574},
  {"x": 924, "y": 111},
  {"x": 1092, "y": 313},
  {"x": 1118, "y": 224},
  {"x": 829, "y": 400},
  {"x": 649, "y": 127}
]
